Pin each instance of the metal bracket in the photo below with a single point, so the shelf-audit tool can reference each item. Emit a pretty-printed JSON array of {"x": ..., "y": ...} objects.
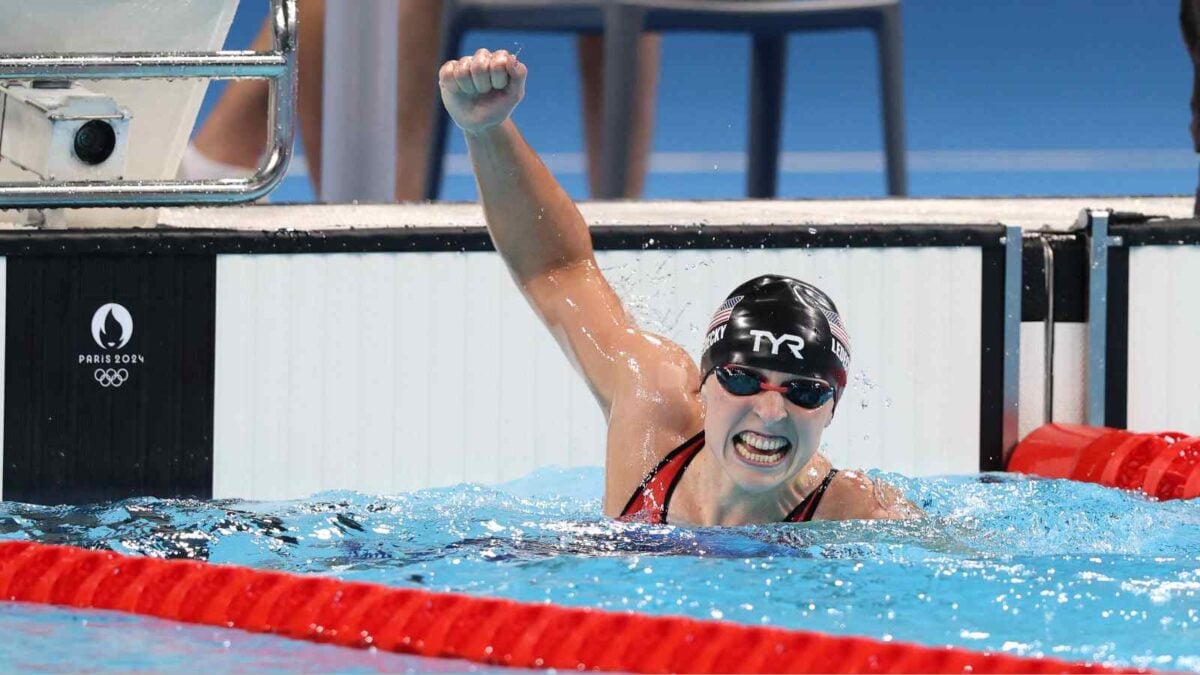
[
  {"x": 1095, "y": 224},
  {"x": 278, "y": 66}
]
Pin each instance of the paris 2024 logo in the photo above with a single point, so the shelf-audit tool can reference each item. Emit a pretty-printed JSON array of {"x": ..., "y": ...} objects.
[{"x": 112, "y": 328}]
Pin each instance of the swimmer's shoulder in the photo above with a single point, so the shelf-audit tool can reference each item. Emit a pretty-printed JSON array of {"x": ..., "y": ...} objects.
[
  {"x": 655, "y": 409},
  {"x": 853, "y": 495},
  {"x": 659, "y": 388}
]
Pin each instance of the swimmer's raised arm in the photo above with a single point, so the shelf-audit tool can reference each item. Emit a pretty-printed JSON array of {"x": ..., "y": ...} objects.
[
  {"x": 533, "y": 222},
  {"x": 544, "y": 240}
]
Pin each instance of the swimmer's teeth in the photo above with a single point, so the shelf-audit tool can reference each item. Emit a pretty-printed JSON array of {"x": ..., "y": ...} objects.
[
  {"x": 772, "y": 448},
  {"x": 763, "y": 443},
  {"x": 758, "y": 457}
]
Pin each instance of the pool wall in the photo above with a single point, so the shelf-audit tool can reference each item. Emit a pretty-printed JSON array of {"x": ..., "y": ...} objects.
[
  {"x": 271, "y": 352},
  {"x": 1162, "y": 278}
]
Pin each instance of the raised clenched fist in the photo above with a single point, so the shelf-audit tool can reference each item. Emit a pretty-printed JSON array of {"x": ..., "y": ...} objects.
[{"x": 481, "y": 91}]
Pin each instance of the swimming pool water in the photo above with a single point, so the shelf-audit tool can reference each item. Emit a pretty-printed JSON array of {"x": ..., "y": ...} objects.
[
  {"x": 60, "y": 640},
  {"x": 1028, "y": 567}
]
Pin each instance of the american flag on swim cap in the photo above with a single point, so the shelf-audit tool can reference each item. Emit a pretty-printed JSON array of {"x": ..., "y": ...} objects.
[
  {"x": 724, "y": 311},
  {"x": 836, "y": 327}
]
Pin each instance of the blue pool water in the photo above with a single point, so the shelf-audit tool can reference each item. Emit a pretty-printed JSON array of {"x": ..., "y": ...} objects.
[{"x": 1028, "y": 567}]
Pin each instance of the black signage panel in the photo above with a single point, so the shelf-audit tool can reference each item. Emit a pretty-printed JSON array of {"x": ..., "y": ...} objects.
[{"x": 108, "y": 383}]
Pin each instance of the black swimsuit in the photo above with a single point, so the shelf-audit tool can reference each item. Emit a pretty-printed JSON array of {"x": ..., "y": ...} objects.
[{"x": 651, "y": 499}]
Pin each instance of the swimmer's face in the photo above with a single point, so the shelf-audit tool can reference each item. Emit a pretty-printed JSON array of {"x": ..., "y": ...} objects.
[{"x": 761, "y": 441}]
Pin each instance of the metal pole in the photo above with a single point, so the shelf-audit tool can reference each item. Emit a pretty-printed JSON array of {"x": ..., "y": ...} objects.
[
  {"x": 891, "y": 72},
  {"x": 1048, "y": 358},
  {"x": 622, "y": 27},
  {"x": 358, "y": 128},
  {"x": 1096, "y": 224},
  {"x": 1012, "y": 339},
  {"x": 135, "y": 65},
  {"x": 768, "y": 61}
]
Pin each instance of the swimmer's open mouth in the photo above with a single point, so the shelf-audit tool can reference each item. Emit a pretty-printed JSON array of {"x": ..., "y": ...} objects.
[{"x": 760, "y": 450}]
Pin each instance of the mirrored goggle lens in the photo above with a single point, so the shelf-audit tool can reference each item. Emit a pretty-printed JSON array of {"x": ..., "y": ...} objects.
[
  {"x": 738, "y": 382},
  {"x": 810, "y": 394}
]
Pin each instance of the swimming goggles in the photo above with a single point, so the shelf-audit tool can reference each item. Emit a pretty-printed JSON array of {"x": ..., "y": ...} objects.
[{"x": 807, "y": 392}]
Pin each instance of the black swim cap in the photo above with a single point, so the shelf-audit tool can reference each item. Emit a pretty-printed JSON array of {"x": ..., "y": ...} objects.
[{"x": 779, "y": 323}]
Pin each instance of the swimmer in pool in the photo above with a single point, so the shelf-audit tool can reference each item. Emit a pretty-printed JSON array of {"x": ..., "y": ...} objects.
[{"x": 732, "y": 441}]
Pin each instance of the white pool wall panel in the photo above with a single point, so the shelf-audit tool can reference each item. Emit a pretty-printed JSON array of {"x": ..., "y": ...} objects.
[
  {"x": 1070, "y": 375},
  {"x": 395, "y": 371},
  {"x": 1164, "y": 338}
]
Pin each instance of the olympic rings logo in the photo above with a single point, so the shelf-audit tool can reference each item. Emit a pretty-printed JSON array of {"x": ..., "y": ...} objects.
[{"x": 110, "y": 377}]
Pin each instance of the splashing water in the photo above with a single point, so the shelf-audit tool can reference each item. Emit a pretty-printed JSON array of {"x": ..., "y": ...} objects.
[{"x": 1030, "y": 567}]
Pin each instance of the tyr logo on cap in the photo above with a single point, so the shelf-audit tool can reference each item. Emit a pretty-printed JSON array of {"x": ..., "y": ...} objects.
[{"x": 797, "y": 343}]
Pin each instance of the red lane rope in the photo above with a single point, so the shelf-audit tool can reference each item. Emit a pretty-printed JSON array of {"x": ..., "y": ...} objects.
[
  {"x": 1163, "y": 465},
  {"x": 486, "y": 630}
]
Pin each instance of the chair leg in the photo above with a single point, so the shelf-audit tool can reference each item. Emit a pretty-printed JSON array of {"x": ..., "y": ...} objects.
[
  {"x": 768, "y": 62},
  {"x": 622, "y": 30},
  {"x": 891, "y": 77},
  {"x": 451, "y": 43}
]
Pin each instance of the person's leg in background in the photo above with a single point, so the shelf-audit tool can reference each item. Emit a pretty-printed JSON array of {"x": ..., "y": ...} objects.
[
  {"x": 234, "y": 135},
  {"x": 417, "y": 94},
  {"x": 591, "y": 67}
]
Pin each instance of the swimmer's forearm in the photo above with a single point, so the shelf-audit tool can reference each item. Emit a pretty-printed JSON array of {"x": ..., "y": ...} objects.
[{"x": 533, "y": 222}]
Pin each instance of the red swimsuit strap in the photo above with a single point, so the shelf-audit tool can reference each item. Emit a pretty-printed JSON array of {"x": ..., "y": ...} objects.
[
  {"x": 650, "y": 500},
  {"x": 805, "y": 509}
]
